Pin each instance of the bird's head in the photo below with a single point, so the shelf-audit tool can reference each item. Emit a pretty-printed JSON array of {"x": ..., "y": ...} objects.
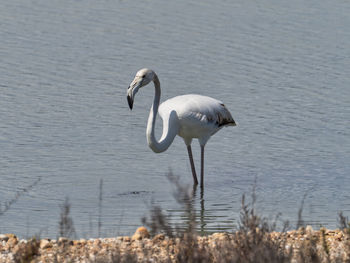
[{"x": 142, "y": 78}]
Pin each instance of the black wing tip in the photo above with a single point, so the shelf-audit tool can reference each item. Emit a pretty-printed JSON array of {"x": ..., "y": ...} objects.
[{"x": 227, "y": 123}]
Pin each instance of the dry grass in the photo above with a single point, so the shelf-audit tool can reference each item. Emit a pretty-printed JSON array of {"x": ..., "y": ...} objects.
[
  {"x": 5, "y": 206},
  {"x": 26, "y": 252},
  {"x": 253, "y": 242},
  {"x": 65, "y": 225}
]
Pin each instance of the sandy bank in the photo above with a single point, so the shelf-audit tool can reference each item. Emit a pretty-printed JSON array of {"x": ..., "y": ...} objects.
[{"x": 299, "y": 246}]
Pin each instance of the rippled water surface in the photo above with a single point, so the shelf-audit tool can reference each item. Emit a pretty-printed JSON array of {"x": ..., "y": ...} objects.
[{"x": 281, "y": 67}]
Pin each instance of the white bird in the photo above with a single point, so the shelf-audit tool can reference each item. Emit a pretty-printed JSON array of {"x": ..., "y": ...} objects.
[{"x": 189, "y": 116}]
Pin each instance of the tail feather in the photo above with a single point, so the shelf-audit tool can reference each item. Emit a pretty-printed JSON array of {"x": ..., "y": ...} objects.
[{"x": 224, "y": 117}]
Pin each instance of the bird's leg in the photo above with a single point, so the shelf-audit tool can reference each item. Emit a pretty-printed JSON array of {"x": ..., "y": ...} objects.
[
  {"x": 195, "y": 181},
  {"x": 202, "y": 167}
]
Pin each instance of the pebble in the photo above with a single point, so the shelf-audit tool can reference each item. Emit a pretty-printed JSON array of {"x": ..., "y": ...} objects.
[
  {"x": 63, "y": 240},
  {"x": 158, "y": 238},
  {"x": 159, "y": 247},
  {"x": 4, "y": 238},
  {"x": 44, "y": 243},
  {"x": 12, "y": 241},
  {"x": 309, "y": 230},
  {"x": 141, "y": 233}
]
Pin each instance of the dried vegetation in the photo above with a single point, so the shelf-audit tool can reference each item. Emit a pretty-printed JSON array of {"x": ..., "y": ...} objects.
[{"x": 256, "y": 240}]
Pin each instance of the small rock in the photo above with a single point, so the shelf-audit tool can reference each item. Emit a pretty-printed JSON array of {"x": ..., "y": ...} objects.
[
  {"x": 92, "y": 257},
  {"x": 309, "y": 230},
  {"x": 76, "y": 243},
  {"x": 4, "y": 238},
  {"x": 339, "y": 236},
  {"x": 63, "y": 240},
  {"x": 97, "y": 242},
  {"x": 12, "y": 241},
  {"x": 140, "y": 233},
  {"x": 220, "y": 236},
  {"x": 44, "y": 243},
  {"x": 11, "y": 235},
  {"x": 158, "y": 238},
  {"x": 301, "y": 230},
  {"x": 329, "y": 232}
]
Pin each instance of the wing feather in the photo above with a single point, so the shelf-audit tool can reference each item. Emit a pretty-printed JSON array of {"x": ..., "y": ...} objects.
[
  {"x": 218, "y": 115},
  {"x": 202, "y": 108}
]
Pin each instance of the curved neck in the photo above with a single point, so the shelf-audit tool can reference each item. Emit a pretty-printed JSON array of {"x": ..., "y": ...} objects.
[{"x": 170, "y": 124}]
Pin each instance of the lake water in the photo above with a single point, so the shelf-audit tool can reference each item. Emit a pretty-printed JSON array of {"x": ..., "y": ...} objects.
[{"x": 281, "y": 67}]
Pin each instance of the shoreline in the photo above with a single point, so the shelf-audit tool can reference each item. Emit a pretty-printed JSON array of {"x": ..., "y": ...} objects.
[{"x": 328, "y": 245}]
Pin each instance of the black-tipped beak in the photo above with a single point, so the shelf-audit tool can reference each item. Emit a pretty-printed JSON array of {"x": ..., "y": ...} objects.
[{"x": 130, "y": 101}]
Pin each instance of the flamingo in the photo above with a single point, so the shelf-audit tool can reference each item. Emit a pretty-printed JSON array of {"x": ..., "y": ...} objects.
[{"x": 189, "y": 116}]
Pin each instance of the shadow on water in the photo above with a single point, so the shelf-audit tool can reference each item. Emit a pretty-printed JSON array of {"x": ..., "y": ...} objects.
[
  {"x": 202, "y": 223},
  {"x": 211, "y": 218},
  {"x": 196, "y": 215}
]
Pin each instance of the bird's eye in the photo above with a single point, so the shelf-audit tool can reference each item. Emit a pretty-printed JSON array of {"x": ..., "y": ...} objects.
[{"x": 143, "y": 76}]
